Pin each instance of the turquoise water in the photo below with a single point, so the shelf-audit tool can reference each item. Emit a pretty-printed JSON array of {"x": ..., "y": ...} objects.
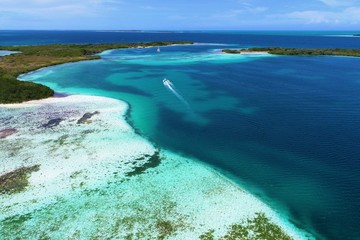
[
  {"x": 102, "y": 171},
  {"x": 326, "y": 39},
  {"x": 285, "y": 128}
]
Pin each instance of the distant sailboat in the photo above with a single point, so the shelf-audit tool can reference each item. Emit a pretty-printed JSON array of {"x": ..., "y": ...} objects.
[{"x": 158, "y": 49}]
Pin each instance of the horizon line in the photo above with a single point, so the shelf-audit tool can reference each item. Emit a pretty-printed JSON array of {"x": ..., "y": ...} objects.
[{"x": 184, "y": 30}]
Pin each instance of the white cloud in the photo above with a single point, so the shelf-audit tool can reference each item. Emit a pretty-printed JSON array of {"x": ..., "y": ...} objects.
[
  {"x": 339, "y": 3},
  {"x": 310, "y": 17},
  {"x": 155, "y": 8},
  {"x": 350, "y": 15},
  {"x": 249, "y": 7},
  {"x": 245, "y": 9},
  {"x": 54, "y": 10}
]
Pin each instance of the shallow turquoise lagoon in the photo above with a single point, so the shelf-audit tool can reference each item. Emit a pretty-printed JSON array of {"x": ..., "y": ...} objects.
[
  {"x": 285, "y": 128},
  {"x": 93, "y": 177}
]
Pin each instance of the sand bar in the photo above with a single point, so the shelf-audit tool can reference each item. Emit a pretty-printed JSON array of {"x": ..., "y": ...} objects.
[{"x": 102, "y": 171}]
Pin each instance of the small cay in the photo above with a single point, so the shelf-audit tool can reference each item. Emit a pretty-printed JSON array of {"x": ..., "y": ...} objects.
[{"x": 298, "y": 51}]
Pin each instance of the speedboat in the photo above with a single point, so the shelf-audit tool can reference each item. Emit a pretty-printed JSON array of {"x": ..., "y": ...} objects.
[{"x": 166, "y": 81}]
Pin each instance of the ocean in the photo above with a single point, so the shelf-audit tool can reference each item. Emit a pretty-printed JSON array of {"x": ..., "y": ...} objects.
[{"x": 285, "y": 128}]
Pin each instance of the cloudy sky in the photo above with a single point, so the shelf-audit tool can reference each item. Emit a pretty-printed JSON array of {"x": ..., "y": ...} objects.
[{"x": 181, "y": 14}]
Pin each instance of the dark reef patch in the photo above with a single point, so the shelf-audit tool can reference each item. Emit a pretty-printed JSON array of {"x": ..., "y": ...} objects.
[
  {"x": 52, "y": 123},
  {"x": 259, "y": 227},
  {"x": 7, "y": 132},
  {"x": 86, "y": 117},
  {"x": 153, "y": 162},
  {"x": 17, "y": 180}
]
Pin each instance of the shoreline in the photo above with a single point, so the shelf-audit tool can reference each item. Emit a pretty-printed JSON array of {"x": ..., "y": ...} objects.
[
  {"x": 296, "y": 51},
  {"x": 222, "y": 179},
  {"x": 31, "y": 103},
  {"x": 246, "y": 52},
  {"x": 32, "y": 58}
]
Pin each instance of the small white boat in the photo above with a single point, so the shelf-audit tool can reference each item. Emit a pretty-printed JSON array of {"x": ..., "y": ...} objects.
[
  {"x": 158, "y": 49},
  {"x": 166, "y": 82}
]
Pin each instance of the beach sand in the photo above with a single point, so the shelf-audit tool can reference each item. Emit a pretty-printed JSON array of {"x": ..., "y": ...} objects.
[{"x": 253, "y": 53}]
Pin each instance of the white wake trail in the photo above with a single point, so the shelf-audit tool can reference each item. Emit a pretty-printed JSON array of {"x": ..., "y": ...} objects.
[{"x": 171, "y": 87}]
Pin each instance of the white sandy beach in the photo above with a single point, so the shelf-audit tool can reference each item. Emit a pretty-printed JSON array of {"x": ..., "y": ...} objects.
[{"x": 253, "y": 53}]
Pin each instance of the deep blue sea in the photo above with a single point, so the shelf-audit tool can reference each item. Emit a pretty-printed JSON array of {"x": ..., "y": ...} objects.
[{"x": 286, "y": 128}]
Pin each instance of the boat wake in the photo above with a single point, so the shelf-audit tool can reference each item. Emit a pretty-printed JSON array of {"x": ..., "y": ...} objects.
[{"x": 172, "y": 88}]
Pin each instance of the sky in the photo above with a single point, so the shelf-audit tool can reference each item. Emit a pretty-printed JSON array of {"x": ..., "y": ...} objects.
[{"x": 180, "y": 14}]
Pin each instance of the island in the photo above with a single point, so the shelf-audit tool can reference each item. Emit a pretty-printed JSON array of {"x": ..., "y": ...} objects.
[
  {"x": 356, "y": 35},
  {"x": 298, "y": 51},
  {"x": 30, "y": 58}
]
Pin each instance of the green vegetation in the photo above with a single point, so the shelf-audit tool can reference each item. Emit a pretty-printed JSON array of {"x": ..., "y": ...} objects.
[
  {"x": 209, "y": 235},
  {"x": 133, "y": 220},
  {"x": 17, "y": 180},
  {"x": 234, "y": 51},
  {"x": 165, "y": 228},
  {"x": 258, "y": 227},
  {"x": 300, "y": 51},
  {"x": 31, "y": 58}
]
